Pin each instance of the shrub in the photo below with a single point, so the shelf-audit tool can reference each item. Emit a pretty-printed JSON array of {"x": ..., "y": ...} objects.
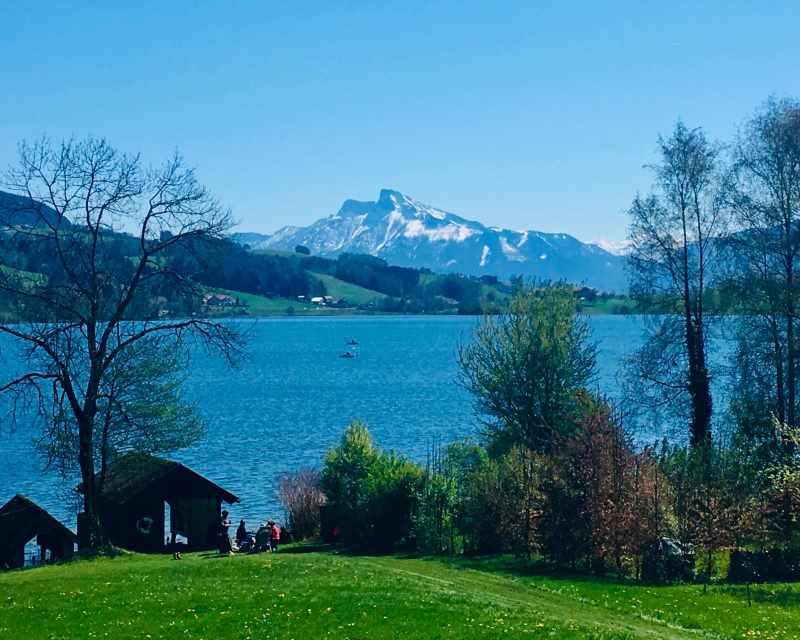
[
  {"x": 473, "y": 522},
  {"x": 392, "y": 489},
  {"x": 437, "y": 504},
  {"x": 301, "y": 496},
  {"x": 371, "y": 494},
  {"x": 773, "y": 565}
]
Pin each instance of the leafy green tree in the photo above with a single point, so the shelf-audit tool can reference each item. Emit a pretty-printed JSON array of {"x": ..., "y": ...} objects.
[
  {"x": 140, "y": 409},
  {"x": 524, "y": 369}
]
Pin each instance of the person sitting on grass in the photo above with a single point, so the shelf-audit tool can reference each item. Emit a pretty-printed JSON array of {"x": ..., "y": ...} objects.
[
  {"x": 263, "y": 536},
  {"x": 241, "y": 533}
]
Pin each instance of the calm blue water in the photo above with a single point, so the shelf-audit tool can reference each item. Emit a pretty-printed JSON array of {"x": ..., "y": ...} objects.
[{"x": 292, "y": 396}]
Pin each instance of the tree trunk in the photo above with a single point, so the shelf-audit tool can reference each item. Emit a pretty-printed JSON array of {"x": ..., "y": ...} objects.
[
  {"x": 92, "y": 536},
  {"x": 780, "y": 396},
  {"x": 697, "y": 379},
  {"x": 791, "y": 356},
  {"x": 699, "y": 384}
]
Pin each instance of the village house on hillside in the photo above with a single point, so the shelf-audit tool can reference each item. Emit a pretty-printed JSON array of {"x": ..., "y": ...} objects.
[
  {"x": 22, "y": 520},
  {"x": 142, "y": 494},
  {"x": 219, "y": 300},
  {"x": 327, "y": 301}
]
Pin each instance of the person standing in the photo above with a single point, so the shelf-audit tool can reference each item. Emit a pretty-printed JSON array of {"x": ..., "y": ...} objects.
[
  {"x": 225, "y": 546},
  {"x": 275, "y": 536}
]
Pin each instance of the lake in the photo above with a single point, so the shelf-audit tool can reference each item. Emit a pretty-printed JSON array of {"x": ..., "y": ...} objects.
[{"x": 292, "y": 396}]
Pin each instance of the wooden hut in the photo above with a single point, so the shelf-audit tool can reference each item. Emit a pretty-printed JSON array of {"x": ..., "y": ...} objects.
[
  {"x": 142, "y": 493},
  {"x": 22, "y": 520}
]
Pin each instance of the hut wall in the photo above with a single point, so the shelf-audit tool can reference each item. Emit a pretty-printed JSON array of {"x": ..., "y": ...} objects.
[
  {"x": 127, "y": 525},
  {"x": 196, "y": 518},
  {"x": 13, "y": 558},
  {"x": 62, "y": 549}
]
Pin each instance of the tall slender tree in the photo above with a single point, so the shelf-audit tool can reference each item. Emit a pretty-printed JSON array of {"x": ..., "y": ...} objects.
[
  {"x": 673, "y": 237},
  {"x": 764, "y": 196}
]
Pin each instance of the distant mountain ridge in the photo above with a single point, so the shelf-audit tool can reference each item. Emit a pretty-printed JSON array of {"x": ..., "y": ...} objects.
[{"x": 405, "y": 232}]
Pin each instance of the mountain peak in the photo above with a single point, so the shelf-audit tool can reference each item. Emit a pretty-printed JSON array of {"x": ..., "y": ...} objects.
[
  {"x": 388, "y": 200},
  {"x": 392, "y": 199},
  {"x": 406, "y": 232},
  {"x": 387, "y": 195}
]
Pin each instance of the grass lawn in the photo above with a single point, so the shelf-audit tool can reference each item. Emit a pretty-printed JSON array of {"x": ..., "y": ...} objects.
[{"x": 322, "y": 595}]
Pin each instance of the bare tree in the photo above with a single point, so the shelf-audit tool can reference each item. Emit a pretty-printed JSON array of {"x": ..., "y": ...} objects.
[
  {"x": 301, "y": 495},
  {"x": 140, "y": 409},
  {"x": 106, "y": 227},
  {"x": 673, "y": 235}
]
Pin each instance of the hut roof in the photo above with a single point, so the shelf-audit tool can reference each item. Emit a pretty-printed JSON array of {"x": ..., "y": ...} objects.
[
  {"x": 130, "y": 475},
  {"x": 21, "y": 519}
]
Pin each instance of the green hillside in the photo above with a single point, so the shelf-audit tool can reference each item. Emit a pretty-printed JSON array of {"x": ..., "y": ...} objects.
[
  {"x": 320, "y": 595},
  {"x": 257, "y": 305},
  {"x": 352, "y": 293}
]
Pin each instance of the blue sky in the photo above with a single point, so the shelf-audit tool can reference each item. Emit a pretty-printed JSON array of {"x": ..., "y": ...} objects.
[{"x": 535, "y": 115}]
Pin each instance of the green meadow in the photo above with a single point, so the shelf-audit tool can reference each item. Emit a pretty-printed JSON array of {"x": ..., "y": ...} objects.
[{"x": 325, "y": 595}]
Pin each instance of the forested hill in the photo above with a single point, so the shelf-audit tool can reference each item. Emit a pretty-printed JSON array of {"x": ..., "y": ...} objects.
[
  {"x": 254, "y": 282},
  {"x": 349, "y": 281},
  {"x": 20, "y": 210},
  {"x": 248, "y": 281}
]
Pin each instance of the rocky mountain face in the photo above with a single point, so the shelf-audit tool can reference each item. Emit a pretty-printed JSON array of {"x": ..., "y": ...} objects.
[{"x": 405, "y": 232}]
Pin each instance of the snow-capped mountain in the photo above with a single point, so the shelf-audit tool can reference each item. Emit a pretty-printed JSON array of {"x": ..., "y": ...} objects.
[
  {"x": 408, "y": 233},
  {"x": 617, "y": 247}
]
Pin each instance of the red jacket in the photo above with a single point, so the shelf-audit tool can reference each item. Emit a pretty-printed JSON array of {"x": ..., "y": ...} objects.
[{"x": 275, "y": 532}]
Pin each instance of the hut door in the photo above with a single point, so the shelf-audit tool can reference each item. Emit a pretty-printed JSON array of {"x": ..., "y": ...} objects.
[
  {"x": 173, "y": 530},
  {"x": 169, "y": 525}
]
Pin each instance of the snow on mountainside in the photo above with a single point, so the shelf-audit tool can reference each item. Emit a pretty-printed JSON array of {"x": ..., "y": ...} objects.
[
  {"x": 617, "y": 247},
  {"x": 408, "y": 233}
]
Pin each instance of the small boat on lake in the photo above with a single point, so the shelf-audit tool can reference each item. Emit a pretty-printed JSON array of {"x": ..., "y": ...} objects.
[
  {"x": 352, "y": 342},
  {"x": 347, "y": 355}
]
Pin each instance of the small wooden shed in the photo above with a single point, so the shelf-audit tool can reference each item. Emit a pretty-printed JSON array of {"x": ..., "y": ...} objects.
[
  {"x": 142, "y": 493},
  {"x": 22, "y": 520}
]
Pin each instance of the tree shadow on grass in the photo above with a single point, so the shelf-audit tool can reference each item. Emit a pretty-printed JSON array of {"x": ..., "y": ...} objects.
[
  {"x": 212, "y": 555},
  {"x": 523, "y": 568},
  {"x": 781, "y": 595},
  {"x": 307, "y": 547}
]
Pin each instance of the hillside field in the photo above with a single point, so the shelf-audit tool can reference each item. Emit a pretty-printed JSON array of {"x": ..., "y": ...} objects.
[
  {"x": 352, "y": 293},
  {"x": 324, "y": 595}
]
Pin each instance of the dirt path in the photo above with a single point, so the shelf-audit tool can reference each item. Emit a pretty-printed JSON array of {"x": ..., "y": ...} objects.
[{"x": 507, "y": 592}]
